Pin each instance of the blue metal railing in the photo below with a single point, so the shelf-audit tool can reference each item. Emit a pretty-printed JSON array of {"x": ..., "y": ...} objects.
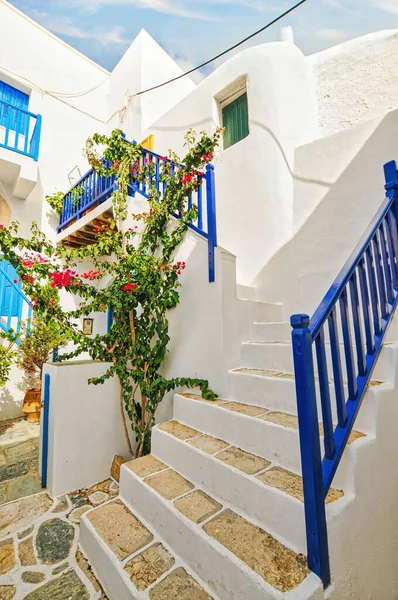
[
  {"x": 19, "y": 130},
  {"x": 92, "y": 190},
  {"x": 15, "y": 307},
  {"x": 362, "y": 300}
]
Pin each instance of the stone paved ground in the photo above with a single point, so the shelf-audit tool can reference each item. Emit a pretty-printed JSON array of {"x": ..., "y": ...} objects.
[
  {"x": 39, "y": 554},
  {"x": 19, "y": 459}
]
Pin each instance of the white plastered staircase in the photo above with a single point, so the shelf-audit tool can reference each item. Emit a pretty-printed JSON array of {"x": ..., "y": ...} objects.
[{"x": 224, "y": 493}]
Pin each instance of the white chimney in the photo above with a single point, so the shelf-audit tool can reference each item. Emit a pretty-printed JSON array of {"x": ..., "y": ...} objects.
[{"x": 285, "y": 34}]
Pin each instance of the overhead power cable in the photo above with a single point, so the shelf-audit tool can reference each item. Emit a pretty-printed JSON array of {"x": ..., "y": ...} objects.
[
  {"x": 249, "y": 37},
  {"x": 61, "y": 95},
  {"x": 51, "y": 92}
]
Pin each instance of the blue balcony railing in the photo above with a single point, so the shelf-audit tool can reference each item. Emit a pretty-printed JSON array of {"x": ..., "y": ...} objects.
[
  {"x": 94, "y": 190},
  {"x": 361, "y": 304},
  {"x": 19, "y": 130}
]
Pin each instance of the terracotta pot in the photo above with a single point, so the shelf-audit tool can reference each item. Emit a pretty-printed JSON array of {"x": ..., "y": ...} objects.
[
  {"x": 32, "y": 404},
  {"x": 89, "y": 210}
]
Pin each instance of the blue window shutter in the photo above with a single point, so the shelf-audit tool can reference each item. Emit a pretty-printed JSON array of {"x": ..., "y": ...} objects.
[
  {"x": 13, "y": 96},
  {"x": 16, "y": 98}
]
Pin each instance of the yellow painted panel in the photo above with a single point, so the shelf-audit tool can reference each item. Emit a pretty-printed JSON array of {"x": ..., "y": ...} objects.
[{"x": 149, "y": 143}]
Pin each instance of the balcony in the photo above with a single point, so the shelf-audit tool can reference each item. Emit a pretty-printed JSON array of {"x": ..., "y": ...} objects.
[
  {"x": 19, "y": 148},
  {"x": 89, "y": 204}
]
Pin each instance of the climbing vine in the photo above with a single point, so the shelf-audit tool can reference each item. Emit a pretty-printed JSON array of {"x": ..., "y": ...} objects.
[{"x": 134, "y": 273}]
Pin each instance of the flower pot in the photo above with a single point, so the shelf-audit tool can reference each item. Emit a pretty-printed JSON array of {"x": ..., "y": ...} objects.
[
  {"x": 89, "y": 210},
  {"x": 32, "y": 404}
]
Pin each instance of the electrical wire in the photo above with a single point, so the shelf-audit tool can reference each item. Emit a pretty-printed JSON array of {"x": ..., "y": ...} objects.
[
  {"x": 249, "y": 37},
  {"x": 65, "y": 94},
  {"x": 246, "y": 39},
  {"x": 60, "y": 95}
]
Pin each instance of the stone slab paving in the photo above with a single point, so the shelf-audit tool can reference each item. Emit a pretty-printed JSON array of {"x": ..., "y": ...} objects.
[
  {"x": 243, "y": 461},
  {"x": 146, "y": 568},
  {"x": 278, "y": 565},
  {"x": 178, "y": 586},
  {"x": 208, "y": 444},
  {"x": 292, "y": 484},
  {"x": 182, "y": 432},
  {"x": 39, "y": 554},
  {"x": 146, "y": 465},
  {"x": 120, "y": 529},
  {"x": 169, "y": 484},
  {"x": 197, "y": 506},
  {"x": 19, "y": 459}
]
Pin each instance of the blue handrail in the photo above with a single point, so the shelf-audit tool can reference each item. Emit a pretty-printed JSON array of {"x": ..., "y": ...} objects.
[
  {"x": 362, "y": 300},
  {"x": 15, "y": 306},
  {"x": 20, "y": 130},
  {"x": 92, "y": 190}
]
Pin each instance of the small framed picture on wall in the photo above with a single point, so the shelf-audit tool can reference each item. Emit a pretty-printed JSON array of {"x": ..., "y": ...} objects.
[{"x": 88, "y": 326}]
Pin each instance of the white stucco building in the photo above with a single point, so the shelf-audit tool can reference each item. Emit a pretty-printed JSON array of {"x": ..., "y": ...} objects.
[{"x": 298, "y": 180}]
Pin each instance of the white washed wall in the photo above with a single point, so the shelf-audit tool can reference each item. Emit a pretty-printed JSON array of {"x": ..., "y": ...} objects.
[
  {"x": 85, "y": 427},
  {"x": 144, "y": 65},
  {"x": 254, "y": 177},
  {"x": 356, "y": 80},
  {"x": 339, "y": 186}
]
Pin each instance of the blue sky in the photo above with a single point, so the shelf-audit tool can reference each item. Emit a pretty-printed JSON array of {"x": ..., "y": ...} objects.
[{"x": 194, "y": 31}]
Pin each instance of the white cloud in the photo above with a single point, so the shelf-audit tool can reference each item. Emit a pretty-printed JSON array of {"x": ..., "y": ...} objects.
[
  {"x": 65, "y": 26},
  {"x": 163, "y": 6},
  {"x": 181, "y": 8},
  {"x": 332, "y": 35},
  {"x": 390, "y": 6}
]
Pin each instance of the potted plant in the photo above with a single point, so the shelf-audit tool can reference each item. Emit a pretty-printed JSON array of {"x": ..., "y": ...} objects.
[
  {"x": 56, "y": 201},
  {"x": 38, "y": 341}
]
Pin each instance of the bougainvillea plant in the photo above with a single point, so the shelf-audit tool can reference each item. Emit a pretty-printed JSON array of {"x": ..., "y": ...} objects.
[
  {"x": 134, "y": 273},
  {"x": 8, "y": 354}
]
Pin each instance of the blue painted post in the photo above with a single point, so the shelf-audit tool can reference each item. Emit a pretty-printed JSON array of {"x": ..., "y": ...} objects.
[
  {"x": 391, "y": 178},
  {"x": 109, "y": 319},
  {"x": 211, "y": 220},
  {"x": 314, "y": 501},
  {"x": 44, "y": 447},
  {"x": 391, "y": 187},
  {"x": 37, "y": 133}
]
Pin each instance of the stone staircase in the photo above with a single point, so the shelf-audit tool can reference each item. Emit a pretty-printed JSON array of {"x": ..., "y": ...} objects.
[{"x": 216, "y": 511}]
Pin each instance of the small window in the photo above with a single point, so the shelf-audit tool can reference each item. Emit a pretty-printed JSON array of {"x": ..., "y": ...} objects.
[{"x": 235, "y": 120}]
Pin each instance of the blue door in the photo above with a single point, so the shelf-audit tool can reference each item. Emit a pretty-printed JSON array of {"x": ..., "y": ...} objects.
[
  {"x": 11, "y": 300},
  {"x": 16, "y": 98}
]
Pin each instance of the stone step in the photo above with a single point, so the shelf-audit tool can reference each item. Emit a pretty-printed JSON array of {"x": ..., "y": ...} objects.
[
  {"x": 278, "y": 356},
  {"x": 246, "y": 292},
  {"x": 261, "y": 312},
  {"x": 272, "y": 332},
  {"x": 272, "y": 435},
  {"x": 275, "y": 356},
  {"x": 251, "y": 485},
  {"x": 275, "y": 390},
  {"x": 238, "y": 558},
  {"x": 130, "y": 562},
  {"x": 282, "y": 332},
  {"x": 263, "y": 387}
]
